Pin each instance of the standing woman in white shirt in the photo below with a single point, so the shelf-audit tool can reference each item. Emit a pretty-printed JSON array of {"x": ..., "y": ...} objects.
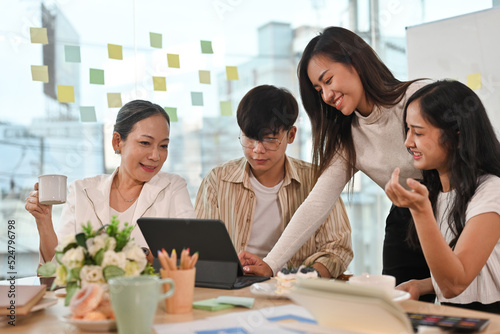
[
  {"x": 355, "y": 105},
  {"x": 136, "y": 188},
  {"x": 456, "y": 208}
]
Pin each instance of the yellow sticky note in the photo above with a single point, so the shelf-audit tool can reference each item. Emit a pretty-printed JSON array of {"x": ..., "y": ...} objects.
[
  {"x": 39, "y": 35},
  {"x": 232, "y": 73},
  {"x": 115, "y": 51},
  {"x": 204, "y": 77},
  {"x": 160, "y": 83},
  {"x": 114, "y": 100},
  {"x": 40, "y": 73},
  {"x": 173, "y": 60},
  {"x": 65, "y": 94},
  {"x": 474, "y": 81},
  {"x": 226, "y": 108}
]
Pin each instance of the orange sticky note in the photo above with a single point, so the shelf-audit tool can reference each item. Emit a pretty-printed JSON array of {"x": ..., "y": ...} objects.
[
  {"x": 39, "y": 35},
  {"x": 115, "y": 51},
  {"x": 204, "y": 77},
  {"x": 114, "y": 100},
  {"x": 65, "y": 94},
  {"x": 40, "y": 73},
  {"x": 232, "y": 73}
]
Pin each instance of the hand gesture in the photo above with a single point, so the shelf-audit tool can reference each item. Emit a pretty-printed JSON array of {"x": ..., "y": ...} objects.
[
  {"x": 254, "y": 265},
  {"x": 415, "y": 199},
  {"x": 39, "y": 211}
]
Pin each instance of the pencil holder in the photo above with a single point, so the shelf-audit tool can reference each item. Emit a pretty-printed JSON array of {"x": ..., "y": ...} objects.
[{"x": 182, "y": 299}]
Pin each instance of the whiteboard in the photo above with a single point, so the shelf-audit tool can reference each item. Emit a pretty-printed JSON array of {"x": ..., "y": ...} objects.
[{"x": 461, "y": 48}]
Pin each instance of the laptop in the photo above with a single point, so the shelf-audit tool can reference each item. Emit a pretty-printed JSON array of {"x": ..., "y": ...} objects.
[{"x": 218, "y": 265}]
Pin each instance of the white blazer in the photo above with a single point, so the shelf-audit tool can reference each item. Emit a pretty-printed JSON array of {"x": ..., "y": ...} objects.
[{"x": 165, "y": 195}]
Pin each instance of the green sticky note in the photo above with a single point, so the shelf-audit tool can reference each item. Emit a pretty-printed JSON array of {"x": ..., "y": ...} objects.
[
  {"x": 172, "y": 113},
  {"x": 206, "y": 47},
  {"x": 226, "y": 108},
  {"x": 114, "y": 100},
  {"x": 237, "y": 301},
  {"x": 173, "y": 60},
  {"x": 474, "y": 81},
  {"x": 160, "y": 83},
  {"x": 40, "y": 73},
  {"x": 72, "y": 54},
  {"x": 204, "y": 77},
  {"x": 197, "y": 98},
  {"x": 155, "y": 40},
  {"x": 211, "y": 305},
  {"x": 39, "y": 35},
  {"x": 115, "y": 51},
  {"x": 65, "y": 94},
  {"x": 232, "y": 73},
  {"x": 87, "y": 114},
  {"x": 96, "y": 76}
]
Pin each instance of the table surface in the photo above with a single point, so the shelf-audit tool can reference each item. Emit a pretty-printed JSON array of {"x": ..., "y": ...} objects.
[{"x": 49, "y": 320}]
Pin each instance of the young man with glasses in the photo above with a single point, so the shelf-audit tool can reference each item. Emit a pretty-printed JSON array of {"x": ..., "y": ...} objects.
[{"x": 256, "y": 196}]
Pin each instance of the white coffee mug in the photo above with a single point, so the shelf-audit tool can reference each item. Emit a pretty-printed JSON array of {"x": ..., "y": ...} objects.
[
  {"x": 52, "y": 189},
  {"x": 386, "y": 283}
]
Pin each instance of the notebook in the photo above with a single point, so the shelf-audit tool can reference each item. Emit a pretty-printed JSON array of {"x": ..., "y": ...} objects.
[
  {"x": 218, "y": 265},
  {"x": 19, "y": 299}
]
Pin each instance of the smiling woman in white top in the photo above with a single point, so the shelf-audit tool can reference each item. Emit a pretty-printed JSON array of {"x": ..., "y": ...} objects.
[
  {"x": 456, "y": 208},
  {"x": 136, "y": 188}
]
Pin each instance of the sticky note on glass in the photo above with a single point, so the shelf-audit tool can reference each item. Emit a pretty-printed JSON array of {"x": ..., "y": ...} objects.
[
  {"x": 197, "y": 98},
  {"x": 155, "y": 40},
  {"x": 40, "y": 73},
  {"x": 87, "y": 114},
  {"x": 204, "y": 77},
  {"x": 474, "y": 81},
  {"x": 65, "y": 94},
  {"x": 114, "y": 100},
  {"x": 226, "y": 108},
  {"x": 72, "y": 54},
  {"x": 237, "y": 301},
  {"x": 206, "y": 47},
  {"x": 39, "y": 35},
  {"x": 172, "y": 113},
  {"x": 115, "y": 51},
  {"x": 173, "y": 60},
  {"x": 211, "y": 305},
  {"x": 232, "y": 73},
  {"x": 160, "y": 83},
  {"x": 96, "y": 76}
]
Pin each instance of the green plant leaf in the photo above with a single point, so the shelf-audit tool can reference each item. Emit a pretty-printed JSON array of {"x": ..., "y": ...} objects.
[
  {"x": 69, "y": 246},
  {"x": 46, "y": 270},
  {"x": 59, "y": 256},
  {"x": 74, "y": 274},
  {"x": 99, "y": 256},
  {"x": 71, "y": 289},
  {"x": 81, "y": 240},
  {"x": 112, "y": 271}
]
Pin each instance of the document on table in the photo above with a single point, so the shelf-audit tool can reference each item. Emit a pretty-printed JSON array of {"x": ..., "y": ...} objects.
[{"x": 280, "y": 320}]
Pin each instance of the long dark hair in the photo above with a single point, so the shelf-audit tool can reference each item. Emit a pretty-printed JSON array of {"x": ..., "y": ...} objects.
[
  {"x": 331, "y": 130},
  {"x": 471, "y": 142}
]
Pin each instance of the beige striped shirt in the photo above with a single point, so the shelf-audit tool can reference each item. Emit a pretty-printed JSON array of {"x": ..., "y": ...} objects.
[{"x": 226, "y": 194}]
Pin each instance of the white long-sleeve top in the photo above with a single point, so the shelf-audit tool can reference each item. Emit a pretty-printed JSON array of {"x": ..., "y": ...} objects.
[{"x": 379, "y": 144}]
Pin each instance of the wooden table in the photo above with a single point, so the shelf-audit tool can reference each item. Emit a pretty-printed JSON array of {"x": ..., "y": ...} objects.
[{"x": 49, "y": 321}]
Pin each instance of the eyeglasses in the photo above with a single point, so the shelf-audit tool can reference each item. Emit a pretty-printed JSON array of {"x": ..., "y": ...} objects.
[{"x": 270, "y": 144}]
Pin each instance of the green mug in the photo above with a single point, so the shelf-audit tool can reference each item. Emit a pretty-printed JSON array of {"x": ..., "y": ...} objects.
[{"x": 134, "y": 301}]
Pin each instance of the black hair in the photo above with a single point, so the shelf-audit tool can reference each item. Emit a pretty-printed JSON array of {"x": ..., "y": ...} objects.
[
  {"x": 471, "y": 142},
  {"x": 133, "y": 112},
  {"x": 266, "y": 110}
]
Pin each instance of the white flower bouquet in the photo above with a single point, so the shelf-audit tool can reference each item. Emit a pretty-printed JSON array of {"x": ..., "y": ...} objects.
[{"x": 93, "y": 257}]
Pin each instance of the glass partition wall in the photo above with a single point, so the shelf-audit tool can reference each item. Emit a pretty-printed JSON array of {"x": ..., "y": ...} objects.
[{"x": 69, "y": 65}]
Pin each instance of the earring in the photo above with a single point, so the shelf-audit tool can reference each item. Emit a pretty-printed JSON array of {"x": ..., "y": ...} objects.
[{"x": 117, "y": 151}]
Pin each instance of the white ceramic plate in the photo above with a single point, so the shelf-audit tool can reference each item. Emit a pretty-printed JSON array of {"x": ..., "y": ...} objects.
[
  {"x": 268, "y": 289},
  {"x": 92, "y": 326}
]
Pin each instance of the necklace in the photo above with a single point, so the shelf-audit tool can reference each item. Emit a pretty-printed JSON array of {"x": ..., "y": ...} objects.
[{"x": 123, "y": 198}]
